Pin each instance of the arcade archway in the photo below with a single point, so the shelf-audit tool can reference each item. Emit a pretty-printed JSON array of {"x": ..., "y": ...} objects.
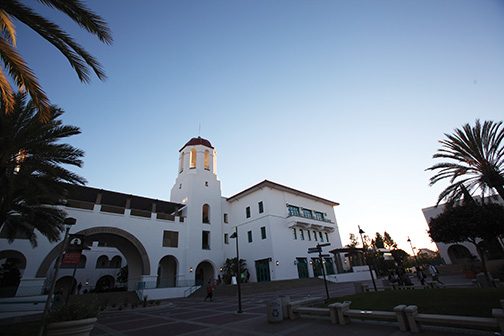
[
  {"x": 204, "y": 272},
  {"x": 130, "y": 247},
  {"x": 167, "y": 272}
]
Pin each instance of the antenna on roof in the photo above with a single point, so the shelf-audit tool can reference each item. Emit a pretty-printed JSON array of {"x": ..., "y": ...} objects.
[{"x": 199, "y": 130}]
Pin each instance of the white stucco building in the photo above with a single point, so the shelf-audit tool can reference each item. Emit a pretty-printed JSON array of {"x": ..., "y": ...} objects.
[
  {"x": 460, "y": 253},
  {"x": 169, "y": 245}
]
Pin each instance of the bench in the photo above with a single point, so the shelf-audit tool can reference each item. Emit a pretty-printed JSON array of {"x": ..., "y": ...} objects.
[
  {"x": 415, "y": 319},
  {"x": 294, "y": 308}
]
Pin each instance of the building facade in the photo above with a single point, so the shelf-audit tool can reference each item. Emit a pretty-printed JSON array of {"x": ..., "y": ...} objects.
[
  {"x": 178, "y": 243},
  {"x": 461, "y": 253}
]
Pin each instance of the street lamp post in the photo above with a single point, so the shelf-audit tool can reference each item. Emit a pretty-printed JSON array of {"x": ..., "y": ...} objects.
[
  {"x": 238, "y": 274},
  {"x": 68, "y": 224},
  {"x": 413, "y": 250},
  {"x": 367, "y": 258}
]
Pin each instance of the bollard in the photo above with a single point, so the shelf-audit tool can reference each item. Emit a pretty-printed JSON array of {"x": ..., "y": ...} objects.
[
  {"x": 285, "y": 302},
  {"x": 401, "y": 317}
]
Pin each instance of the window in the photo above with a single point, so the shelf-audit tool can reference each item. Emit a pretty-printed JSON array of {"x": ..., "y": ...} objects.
[
  {"x": 294, "y": 234},
  {"x": 293, "y": 210},
  {"x": 170, "y": 239},
  {"x": 321, "y": 237},
  {"x": 205, "y": 215},
  {"x": 315, "y": 235},
  {"x": 193, "y": 158},
  {"x": 116, "y": 262},
  {"x": 263, "y": 232},
  {"x": 247, "y": 211},
  {"x": 319, "y": 215},
  {"x": 261, "y": 207},
  {"x": 307, "y": 213},
  {"x": 326, "y": 237},
  {"x": 308, "y": 234},
  {"x": 226, "y": 238},
  {"x": 181, "y": 168},
  {"x": 226, "y": 218},
  {"x": 205, "y": 240},
  {"x": 249, "y": 233},
  {"x": 102, "y": 262},
  {"x": 207, "y": 162},
  {"x": 301, "y": 234}
]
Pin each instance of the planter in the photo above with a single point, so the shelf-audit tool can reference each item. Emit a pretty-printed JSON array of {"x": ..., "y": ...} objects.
[{"x": 71, "y": 328}]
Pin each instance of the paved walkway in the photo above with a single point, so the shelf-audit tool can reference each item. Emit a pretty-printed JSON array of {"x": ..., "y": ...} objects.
[{"x": 192, "y": 316}]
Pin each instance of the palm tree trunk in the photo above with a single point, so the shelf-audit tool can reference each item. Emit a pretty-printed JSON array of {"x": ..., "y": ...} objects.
[
  {"x": 500, "y": 190},
  {"x": 483, "y": 263}
]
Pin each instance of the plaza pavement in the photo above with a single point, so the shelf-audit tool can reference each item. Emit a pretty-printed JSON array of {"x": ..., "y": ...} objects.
[{"x": 193, "y": 316}]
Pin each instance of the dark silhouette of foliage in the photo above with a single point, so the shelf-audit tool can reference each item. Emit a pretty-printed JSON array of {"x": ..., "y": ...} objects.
[
  {"x": 475, "y": 160},
  {"x": 32, "y": 177}
]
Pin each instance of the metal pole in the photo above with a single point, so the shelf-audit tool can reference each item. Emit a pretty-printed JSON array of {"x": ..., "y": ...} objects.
[
  {"x": 238, "y": 275},
  {"x": 323, "y": 270},
  {"x": 413, "y": 250},
  {"x": 72, "y": 284},
  {"x": 367, "y": 258},
  {"x": 53, "y": 283}
]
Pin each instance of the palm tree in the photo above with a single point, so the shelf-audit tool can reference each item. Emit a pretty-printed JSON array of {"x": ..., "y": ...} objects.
[
  {"x": 32, "y": 179},
  {"x": 476, "y": 157},
  {"x": 79, "y": 58}
]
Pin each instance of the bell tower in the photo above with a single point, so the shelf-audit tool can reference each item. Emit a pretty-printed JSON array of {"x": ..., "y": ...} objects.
[{"x": 198, "y": 187}]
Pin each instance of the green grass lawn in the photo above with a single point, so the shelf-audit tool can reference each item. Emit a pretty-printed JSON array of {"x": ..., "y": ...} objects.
[{"x": 445, "y": 301}]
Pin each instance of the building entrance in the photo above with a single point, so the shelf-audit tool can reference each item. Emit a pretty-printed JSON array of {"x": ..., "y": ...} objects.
[
  {"x": 262, "y": 270},
  {"x": 302, "y": 267}
]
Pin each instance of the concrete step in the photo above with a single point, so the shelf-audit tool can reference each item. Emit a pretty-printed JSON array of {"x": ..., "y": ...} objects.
[{"x": 260, "y": 287}]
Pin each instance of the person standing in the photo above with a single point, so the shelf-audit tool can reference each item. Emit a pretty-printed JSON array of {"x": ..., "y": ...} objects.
[
  {"x": 209, "y": 290},
  {"x": 421, "y": 276},
  {"x": 434, "y": 273}
]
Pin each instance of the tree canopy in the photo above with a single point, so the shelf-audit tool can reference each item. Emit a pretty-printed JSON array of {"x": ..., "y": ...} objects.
[
  {"x": 475, "y": 160},
  {"x": 80, "y": 60},
  {"x": 32, "y": 177}
]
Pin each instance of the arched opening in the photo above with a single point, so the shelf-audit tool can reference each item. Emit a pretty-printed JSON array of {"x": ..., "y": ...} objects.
[
  {"x": 204, "y": 272},
  {"x": 128, "y": 245},
  {"x": 116, "y": 262},
  {"x": 181, "y": 163},
  {"x": 167, "y": 272},
  {"x": 11, "y": 265},
  {"x": 207, "y": 160},
  {"x": 193, "y": 158},
  {"x": 458, "y": 254},
  {"x": 102, "y": 262},
  {"x": 105, "y": 284},
  {"x": 65, "y": 286},
  {"x": 205, "y": 215}
]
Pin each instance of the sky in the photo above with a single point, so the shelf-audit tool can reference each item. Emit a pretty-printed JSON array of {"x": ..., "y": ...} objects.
[{"x": 346, "y": 100}]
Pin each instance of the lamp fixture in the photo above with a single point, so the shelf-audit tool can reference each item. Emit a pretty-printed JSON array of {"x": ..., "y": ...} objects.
[
  {"x": 190, "y": 269},
  {"x": 277, "y": 263}
]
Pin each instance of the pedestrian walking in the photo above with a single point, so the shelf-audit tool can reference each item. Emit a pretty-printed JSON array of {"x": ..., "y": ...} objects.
[{"x": 209, "y": 290}]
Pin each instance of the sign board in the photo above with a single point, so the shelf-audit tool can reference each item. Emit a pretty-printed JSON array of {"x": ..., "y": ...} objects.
[
  {"x": 314, "y": 251},
  {"x": 71, "y": 258}
]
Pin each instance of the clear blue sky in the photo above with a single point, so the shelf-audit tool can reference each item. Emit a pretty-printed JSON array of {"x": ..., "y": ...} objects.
[{"x": 343, "y": 99}]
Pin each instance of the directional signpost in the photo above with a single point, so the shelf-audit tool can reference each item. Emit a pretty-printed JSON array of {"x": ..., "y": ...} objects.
[{"x": 318, "y": 250}]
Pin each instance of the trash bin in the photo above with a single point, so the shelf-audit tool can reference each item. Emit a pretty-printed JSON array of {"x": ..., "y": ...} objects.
[{"x": 274, "y": 310}]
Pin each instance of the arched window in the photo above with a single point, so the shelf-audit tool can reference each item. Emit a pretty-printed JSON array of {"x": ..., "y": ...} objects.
[
  {"x": 181, "y": 168},
  {"x": 102, "y": 262},
  {"x": 116, "y": 262},
  {"x": 206, "y": 214},
  {"x": 193, "y": 158},
  {"x": 207, "y": 160}
]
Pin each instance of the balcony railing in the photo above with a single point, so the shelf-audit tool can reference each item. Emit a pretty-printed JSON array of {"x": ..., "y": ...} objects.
[{"x": 298, "y": 214}]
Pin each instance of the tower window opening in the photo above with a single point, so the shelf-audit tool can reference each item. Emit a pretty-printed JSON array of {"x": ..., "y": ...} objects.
[
  {"x": 181, "y": 168},
  {"x": 207, "y": 160},
  {"x": 205, "y": 216},
  {"x": 193, "y": 158}
]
